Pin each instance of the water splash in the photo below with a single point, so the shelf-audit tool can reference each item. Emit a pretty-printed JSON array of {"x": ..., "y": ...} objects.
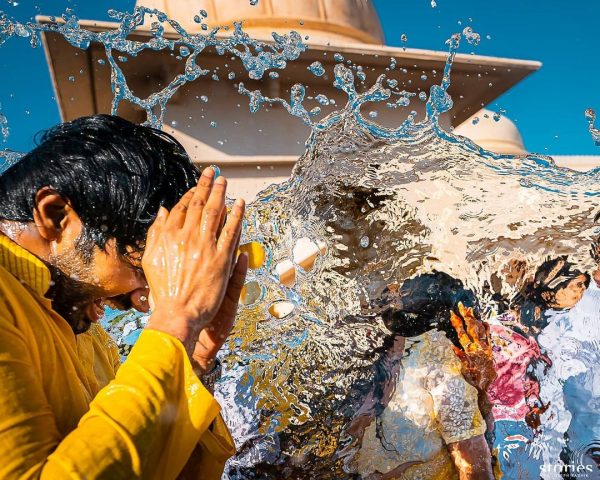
[
  {"x": 375, "y": 210},
  {"x": 8, "y": 158},
  {"x": 386, "y": 203},
  {"x": 590, "y": 115},
  {"x": 256, "y": 57},
  {"x": 316, "y": 68},
  {"x": 4, "y": 131}
]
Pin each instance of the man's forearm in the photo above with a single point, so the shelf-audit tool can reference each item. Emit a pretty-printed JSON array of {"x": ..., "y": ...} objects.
[{"x": 155, "y": 404}]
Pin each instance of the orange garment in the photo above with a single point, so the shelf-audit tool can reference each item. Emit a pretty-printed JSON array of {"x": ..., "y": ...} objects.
[{"x": 65, "y": 410}]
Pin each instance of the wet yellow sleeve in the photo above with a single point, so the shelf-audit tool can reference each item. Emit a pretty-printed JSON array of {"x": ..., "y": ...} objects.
[{"x": 143, "y": 424}]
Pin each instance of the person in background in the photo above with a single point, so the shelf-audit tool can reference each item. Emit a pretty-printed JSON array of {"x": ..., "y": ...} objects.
[
  {"x": 570, "y": 426},
  {"x": 519, "y": 406},
  {"x": 422, "y": 418},
  {"x": 105, "y": 211}
]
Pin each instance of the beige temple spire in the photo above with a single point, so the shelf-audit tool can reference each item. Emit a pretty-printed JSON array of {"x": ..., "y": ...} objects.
[{"x": 336, "y": 21}]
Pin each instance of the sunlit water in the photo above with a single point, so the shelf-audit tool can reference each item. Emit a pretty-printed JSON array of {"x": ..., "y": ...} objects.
[{"x": 380, "y": 206}]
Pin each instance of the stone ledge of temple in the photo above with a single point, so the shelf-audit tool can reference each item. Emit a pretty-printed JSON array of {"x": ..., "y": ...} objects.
[{"x": 577, "y": 162}]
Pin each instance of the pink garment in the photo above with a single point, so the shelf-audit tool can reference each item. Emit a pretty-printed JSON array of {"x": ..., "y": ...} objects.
[{"x": 513, "y": 354}]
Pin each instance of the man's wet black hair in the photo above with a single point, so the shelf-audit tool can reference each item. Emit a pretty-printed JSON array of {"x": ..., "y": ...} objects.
[{"x": 115, "y": 174}]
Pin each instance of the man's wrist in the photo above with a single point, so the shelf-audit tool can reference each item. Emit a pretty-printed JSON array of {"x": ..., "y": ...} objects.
[
  {"x": 203, "y": 365},
  {"x": 180, "y": 325},
  {"x": 210, "y": 377}
]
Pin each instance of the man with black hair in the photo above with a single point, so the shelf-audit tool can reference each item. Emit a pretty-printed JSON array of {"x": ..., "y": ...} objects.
[{"x": 105, "y": 211}]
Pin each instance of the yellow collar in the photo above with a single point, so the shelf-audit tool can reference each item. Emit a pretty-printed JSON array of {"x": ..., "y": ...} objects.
[{"x": 28, "y": 268}]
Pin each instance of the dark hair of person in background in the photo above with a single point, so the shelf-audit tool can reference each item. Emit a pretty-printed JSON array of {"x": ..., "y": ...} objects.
[
  {"x": 540, "y": 294},
  {"x": 419, "y": 305},
  {"x": 114, "y": 173}
]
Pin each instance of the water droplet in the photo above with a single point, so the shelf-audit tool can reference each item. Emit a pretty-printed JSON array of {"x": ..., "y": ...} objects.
[
  {"x": 338, "y": 57},
  {"x": 471, "y": 37},
  {"x": 422, "y": 96},
  {"x": 317, "y": 69},
  {"x": 273, "y": 75},
  {"x": 122, "y": 58},
  {"x": 231, "y": 75},
  {"x": 101, "y": 62},
  {"x": 475, "y": 120},
  {"x": 322, "y": 99},
  {"x": 174, "y": 123},
  {"x": 423, "y": 77},
  {"x": 281, "y": 309},
  {"x": 251, "y": 293},
  {"x": 373, "y": 114},
  {"x": 213, "y": 124},
  {"x": 204, "y": 98},
  {"x": 364, "y": 242},
  {"x": 253, "y": 2},
  {"x": 71, "y": 78}
]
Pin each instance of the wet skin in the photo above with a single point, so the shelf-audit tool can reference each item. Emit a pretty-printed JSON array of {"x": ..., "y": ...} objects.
[
  {"x": 569, "y": 296},
  {"x": 189, "y": 263}
]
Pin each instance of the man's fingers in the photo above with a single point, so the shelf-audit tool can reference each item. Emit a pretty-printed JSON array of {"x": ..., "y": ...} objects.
[
  {"x": 200, "y": 198},
  {"x": 232, "y": 229},
  {"x": 238, "y": 278},
  {"x": 234, "y": 253},
  {"x": 159, "y": 221},
  {"x": 211, "y": 215},
  {"x": 179, "y": 211},
  {"x": 154, "y": 233},
  {"x": 222, "y": 222}
]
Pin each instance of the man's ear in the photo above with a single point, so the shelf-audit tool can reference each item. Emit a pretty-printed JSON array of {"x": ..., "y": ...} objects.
[{"x": 51, "y": 213}]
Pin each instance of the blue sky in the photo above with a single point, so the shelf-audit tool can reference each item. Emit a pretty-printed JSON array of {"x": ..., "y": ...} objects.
[{"x": 548, "y": 106}]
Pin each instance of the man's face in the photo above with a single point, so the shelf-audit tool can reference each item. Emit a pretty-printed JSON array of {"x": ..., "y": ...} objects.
[{"x": 83, "y": 284}]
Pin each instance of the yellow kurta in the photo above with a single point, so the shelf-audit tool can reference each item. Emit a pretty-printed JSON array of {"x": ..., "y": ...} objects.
[{"x": 65, "y": 410}]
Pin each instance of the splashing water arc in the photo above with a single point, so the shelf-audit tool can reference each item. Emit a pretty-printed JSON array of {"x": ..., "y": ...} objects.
[{"x": 377, "y": 205}]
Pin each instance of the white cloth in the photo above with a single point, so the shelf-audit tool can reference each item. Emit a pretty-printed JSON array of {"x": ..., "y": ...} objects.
[{"x": 432, "y": 406}]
